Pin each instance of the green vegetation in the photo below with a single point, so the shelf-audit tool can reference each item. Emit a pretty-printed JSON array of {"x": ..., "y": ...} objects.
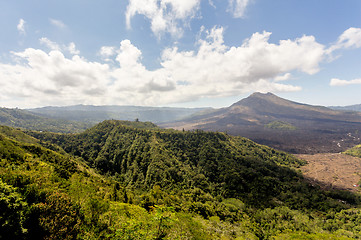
[
  {"x": 131, "y": 180},
  {"x": 355, "y": 151},
  {"x": 26, "y": 120},
  {"x": 280, "y": 125}
]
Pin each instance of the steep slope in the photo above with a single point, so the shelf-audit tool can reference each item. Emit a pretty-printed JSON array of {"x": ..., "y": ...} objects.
[
  {"x": 96, "y": 114},
  {"x": 27, "y": 120},
  {"x": 283, "y": 124}
]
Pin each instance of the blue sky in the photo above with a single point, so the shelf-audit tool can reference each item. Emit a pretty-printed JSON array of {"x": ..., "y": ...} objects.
[{"x": 187, "y": 53}]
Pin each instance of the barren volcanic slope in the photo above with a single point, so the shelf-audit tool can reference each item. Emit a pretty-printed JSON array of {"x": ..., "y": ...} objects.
[{"x": 282, "y": 124}]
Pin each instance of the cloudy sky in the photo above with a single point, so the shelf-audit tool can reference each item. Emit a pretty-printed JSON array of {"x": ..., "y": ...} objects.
[{"x": 188, "y": 53}]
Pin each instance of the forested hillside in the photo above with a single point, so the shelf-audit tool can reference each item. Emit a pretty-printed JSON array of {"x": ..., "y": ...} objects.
[
  {"x": 217, "y": 164},
  {"x": 131, "y": 180}
]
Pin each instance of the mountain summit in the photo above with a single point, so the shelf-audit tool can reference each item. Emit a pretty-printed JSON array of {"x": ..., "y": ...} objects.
[{"x": 281, "y": 123}]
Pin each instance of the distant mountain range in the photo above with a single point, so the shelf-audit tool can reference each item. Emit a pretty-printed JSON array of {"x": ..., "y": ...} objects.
[
  {"x": 24, "y": 119},
  {"x": 356, "y": 107},
  {"x": 96, "y": 114},
  {"x": 73, "y": 119},
  {"x": 282, "y": 124}
]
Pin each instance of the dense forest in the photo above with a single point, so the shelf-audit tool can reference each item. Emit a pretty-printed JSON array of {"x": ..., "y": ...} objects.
[{"x": 132, "y": 180}]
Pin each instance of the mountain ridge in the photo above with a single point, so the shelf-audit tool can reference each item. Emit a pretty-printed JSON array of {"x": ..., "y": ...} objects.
[
  {"x": 95, "y": 114},
  {"x": 250, "y": 116},
  {"x": 355, "y": 107}
]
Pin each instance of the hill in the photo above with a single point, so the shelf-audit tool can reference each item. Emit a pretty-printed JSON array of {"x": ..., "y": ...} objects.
[
  {"x": 282, "y": 124},
  {"x": 215, "y": 163},
  {"x": 149, "y": 183},
  {"x": 96, "y": 114},
  {"x": 24, "y": 119}
]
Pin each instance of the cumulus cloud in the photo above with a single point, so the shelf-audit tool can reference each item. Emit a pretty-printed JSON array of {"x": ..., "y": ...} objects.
[
  {"x": 106, "y": 52},
  {"x": 57, "y": 23},
  {"x": 164, "y": 15},
  {"x": 72, "y": 48},
  {"x": 21, "y": 26},
  {"x": 52, "y": 78},
  {"x": 238, "y": 7},
  {"x": 338, "y": 82},
  {"x": 213, "y": 69}
]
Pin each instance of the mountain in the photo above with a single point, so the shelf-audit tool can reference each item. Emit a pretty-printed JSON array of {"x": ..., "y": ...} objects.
[
  {"x": 132, "y": 180},
  {"x": 282, "y": 124},
  {"x": 27, "y": 120},
  {"x": 356, "y": 107},
  {"x": 96, "y": 114}
]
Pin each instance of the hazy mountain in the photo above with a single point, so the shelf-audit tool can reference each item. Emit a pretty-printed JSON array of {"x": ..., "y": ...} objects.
[
  {"x": 27, "y": 120},
  {"x": 356, "y": 107},
  {"x": 283, "y": 124},
  {"x": 95, "y": 114}
]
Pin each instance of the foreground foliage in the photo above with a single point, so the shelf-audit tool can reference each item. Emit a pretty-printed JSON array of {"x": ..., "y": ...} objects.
[{"x": 147, "y": 183}]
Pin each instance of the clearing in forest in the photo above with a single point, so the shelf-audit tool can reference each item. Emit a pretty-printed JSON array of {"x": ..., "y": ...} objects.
[{"x": 333, "y": 170}]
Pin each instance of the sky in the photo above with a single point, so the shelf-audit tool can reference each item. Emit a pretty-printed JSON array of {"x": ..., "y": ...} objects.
[{"x": 180, "y": 53}]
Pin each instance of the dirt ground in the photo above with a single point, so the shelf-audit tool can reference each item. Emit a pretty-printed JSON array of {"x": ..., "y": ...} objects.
[{"x": 333, "y": 170}]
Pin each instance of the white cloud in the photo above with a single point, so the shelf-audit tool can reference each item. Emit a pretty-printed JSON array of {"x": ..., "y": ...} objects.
[
  {"x": 21, "y": 26},
  {"x": 107, "y": 51},
  {"x": 211, "y": 3},
  {"x": 51, "y": 78},
  {"x": 284, "y": 77},
  {"x": 71, "y": 48},
  {"x": 50, "y": 44},
  {"x": 213, "y": 70},
  {"x": 238, "y": 7},
  {"x": 164, "y": 15},
  {"x": 57, "y": 23},
  {"x": 338, "y": 82},
  {"x": 351, "y": 38},
  {"x": 129, "y": 55}
]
